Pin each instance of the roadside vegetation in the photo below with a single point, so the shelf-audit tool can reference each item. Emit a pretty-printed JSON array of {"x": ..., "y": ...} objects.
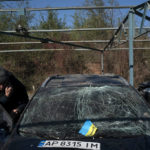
[{"x": 33, "y": 67}]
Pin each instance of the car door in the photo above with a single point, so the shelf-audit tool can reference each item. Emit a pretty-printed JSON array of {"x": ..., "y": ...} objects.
[{"x": 6, "y": 125}]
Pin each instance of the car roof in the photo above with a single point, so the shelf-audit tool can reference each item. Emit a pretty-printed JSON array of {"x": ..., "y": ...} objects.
[{"x": 83, "y": 80}]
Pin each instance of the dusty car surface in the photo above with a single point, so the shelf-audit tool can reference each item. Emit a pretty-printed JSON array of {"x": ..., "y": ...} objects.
[{"x": 83, "y": 112}]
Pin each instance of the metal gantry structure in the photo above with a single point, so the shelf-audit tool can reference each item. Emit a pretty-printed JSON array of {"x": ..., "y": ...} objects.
[
  {"x": 112, "y": 44},
  {"x": 131, "y": 33}
]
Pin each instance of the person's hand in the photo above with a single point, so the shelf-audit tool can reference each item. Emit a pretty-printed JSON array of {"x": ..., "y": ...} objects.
[
  {"x": 16, "y": 111},
  {"x": 8, "y": 91}
]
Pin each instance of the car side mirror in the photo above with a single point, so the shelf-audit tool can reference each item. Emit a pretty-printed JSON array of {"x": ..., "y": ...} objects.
[
  {"x": 6, "y": 125},
  {"x": 144, "y": 90},
  {"x": 146, "y": 94},
  {"x": 4, "y": 131},
  {"x": 5, "y": 120}
]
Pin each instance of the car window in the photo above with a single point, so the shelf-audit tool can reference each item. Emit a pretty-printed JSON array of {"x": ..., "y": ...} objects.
[
  {"x": 61, "y": 112},
  {"x": 86, "y": 80}
]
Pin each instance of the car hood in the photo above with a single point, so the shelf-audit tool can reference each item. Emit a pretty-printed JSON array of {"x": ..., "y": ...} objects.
[{"x": 136, "y": 143}]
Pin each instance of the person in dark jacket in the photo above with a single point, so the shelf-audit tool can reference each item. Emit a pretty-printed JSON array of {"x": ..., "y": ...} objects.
[{"x": 13, "y": 95}]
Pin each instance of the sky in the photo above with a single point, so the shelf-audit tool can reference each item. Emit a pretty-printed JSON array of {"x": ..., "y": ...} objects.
[
  {"x": 65, "y": 3},
  {"x": 69, "y": 3}
]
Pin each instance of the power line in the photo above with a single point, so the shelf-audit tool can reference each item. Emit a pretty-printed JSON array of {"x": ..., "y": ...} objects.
[
  {"x": 142, "y": 48},
  {"x": 68, "y": 8},
  {"x": 86, "y": 41},
  {"x": 46, "y": 40},
  {"x": 42, "y": 50},
  {"x": 39, "y": 50},
  {"x": 65, "y": 30},
  {"x": 71, "y": 30}
]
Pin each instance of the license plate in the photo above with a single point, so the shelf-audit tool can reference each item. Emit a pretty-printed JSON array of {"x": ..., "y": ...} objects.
[{"x": 70, "y": 144}]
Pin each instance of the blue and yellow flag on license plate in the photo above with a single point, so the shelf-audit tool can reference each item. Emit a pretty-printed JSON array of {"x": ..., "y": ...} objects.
[{"x": 88, "y": 129}]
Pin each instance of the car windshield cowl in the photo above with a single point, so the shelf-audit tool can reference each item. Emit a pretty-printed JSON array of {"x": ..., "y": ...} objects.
[
  {"x": 62, "y": 111},
  {"x": 37, "y": 135},
  {"x": 98, "y": 135}
]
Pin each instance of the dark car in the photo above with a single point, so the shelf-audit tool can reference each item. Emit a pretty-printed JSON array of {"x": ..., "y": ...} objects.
[
  {"x": 83, "y": 112},
  {"x": 144, "y": 89},
  {"x": 6, "y": 125}
]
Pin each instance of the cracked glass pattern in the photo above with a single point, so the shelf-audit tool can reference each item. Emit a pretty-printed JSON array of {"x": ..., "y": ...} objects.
[{"x": 60, "y": 112}]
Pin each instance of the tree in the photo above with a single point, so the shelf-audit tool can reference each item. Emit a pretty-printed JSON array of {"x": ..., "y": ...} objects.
[
  {"x": 51, "y": 21},
  {"x": 92, "y": 18}
]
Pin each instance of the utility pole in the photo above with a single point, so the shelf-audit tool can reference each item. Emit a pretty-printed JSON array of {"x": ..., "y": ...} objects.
[{"x": 131, "y": 58}]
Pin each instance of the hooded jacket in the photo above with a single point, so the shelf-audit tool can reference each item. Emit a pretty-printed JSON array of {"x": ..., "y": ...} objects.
[{"x": 18, "y": 97}]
